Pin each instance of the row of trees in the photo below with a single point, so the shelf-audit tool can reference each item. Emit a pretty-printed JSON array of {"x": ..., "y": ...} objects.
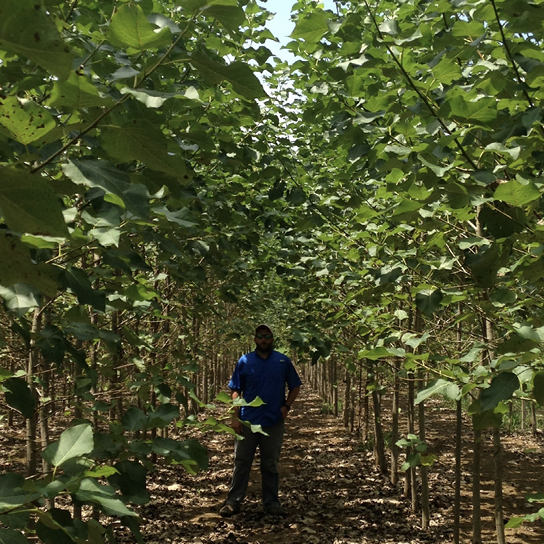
[{"x": 379, "y": 203}]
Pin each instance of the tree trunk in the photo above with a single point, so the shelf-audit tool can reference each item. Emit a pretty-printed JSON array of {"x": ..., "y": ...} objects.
[
  {"x": 379, "y": 443},
  {"x": 425, "y": 510},
  {"x": 347, "y": 399},
  {"x": 476, "y": 485},
  {"x": 497, "y": 462},
  {"x": 458, "y": 452},
  {"x": 31, "y": 422},
  {"x": 394, "y": 474}
]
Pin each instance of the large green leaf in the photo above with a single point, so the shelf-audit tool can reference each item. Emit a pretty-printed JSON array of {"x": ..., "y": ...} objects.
[
  {"x": 28, "y": 204},
  {"x": 78, "y": 281},
  {"x": 75, "y": 442},
  {"x": 28, "y": 29},
  {"x": 163, "y": 415},
  {"x": 231, "y": 17},
  {"x": 486, "y": 420},
  {"x": 103, "y": 174},
  {"x": 439, "y": 387},
  {"x": 78, "y": 92},
  {"x": 502, "y": 388},
  {"x": 517, "y": 192},
  {"x": 91, "y": 491},
  {"x": 19, "y": 396},
  {"x": 144, "y": 142},
  {"x": 134, "y": 419},
  {"x": 131, "y": 480},
  {"x": 16, "y": 266},
  {"x": 312, "y": 27},
  {"x": 485, "y": 264},
  {"x": 238, "y": 74},
  {"x": 9, "y": 536},
  {"x": 130, "y": 29},
  {"x": 25, "y": 120},
  {"x": 538, "y": 388},
  {"x": 428, "y": 301},
  {"x": 21, "y": 297},
  {"x": 12, "y": 494}
]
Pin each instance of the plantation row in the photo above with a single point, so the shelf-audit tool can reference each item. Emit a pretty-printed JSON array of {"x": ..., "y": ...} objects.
[{"x": 165, "y": 183}]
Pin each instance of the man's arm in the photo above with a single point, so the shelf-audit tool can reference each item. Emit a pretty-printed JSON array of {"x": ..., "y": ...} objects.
[{"x": 293, "y": 394}]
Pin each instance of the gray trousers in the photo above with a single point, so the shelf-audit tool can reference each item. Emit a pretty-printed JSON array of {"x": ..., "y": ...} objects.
[{"x": 244, "y": 452}]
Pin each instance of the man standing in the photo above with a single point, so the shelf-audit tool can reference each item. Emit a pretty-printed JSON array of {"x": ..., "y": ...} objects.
[{"x": 263, "y": 373}]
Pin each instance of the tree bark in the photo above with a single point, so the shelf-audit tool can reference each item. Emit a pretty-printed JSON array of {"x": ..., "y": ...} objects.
[
  {"x": 476, "y": 485},
  {"x": 458, "y": 452},
  {"x": 394, "y": 471},
  {"x": 31, "y": 422},
  {"x": 497, "y": 463}
]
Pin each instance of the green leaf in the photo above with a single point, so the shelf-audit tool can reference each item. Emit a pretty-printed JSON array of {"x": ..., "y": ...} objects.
[
  {"x": 502, "y": 388},
  {"x": 486, "y": 420},
  {"x": 483, "y": 110},
  {"x": 19, "y": 396},
  {"x": 538, "y": 388},
  {"x": 9, "y": 536},
  {"x": 28, "y": 29},
  {"x": 238, "y": 74},
  {"x": 96, "y": 173},
  {"x": 428, "y": 301},
  {"x": 25, "y": 120},
  {"x": 134, "y": 419},
  {"x": 75, "y": 442},
  {"x": 131, "y": 480},
  {"x": 438, "y": 387},
  {"x": 12, "y": 494},
  {"x": 91, "y": 491},
  {"x": 78, "y": 281},
  {"x": 231, "y": 17},
  {"x": 485, "y": 264},
  {"x": 21, "y": 297},
  {"x": 312, "y": 27},
  {"x": 517, "y": 192},
  {"x": 16, "y": 266},
  {"x": 28, "y": 204},
  {"x": 162, "y": 416},
  {"x": 141, "y": 141},
  {"x": 130, "y": 29},
  {"x": 78, "y": 92}
]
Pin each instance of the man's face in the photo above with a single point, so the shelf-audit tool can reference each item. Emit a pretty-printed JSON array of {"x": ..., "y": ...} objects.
[{"x": 264, "y": 340}]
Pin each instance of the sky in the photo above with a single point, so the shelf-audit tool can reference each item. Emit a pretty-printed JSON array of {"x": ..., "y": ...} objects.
[{"x": 281, "y": 26}]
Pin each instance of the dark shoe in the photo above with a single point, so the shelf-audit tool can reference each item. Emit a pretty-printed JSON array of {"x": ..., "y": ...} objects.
[
  {"x": 229, "y": 510},
  {"x": 275, "y": 511}
]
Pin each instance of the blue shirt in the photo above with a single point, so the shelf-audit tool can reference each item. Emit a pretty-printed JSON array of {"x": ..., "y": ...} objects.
[{"x": 265, "y": 378}]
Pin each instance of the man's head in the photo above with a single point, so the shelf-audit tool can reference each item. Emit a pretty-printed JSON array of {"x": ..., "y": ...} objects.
[{"x": 264, "y": 338}]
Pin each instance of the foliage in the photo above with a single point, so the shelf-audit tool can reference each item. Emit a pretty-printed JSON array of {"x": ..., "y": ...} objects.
[{"x": 150, "y": 180}]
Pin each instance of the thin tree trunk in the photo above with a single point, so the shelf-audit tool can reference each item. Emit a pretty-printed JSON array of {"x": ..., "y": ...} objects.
[
  {"x": 497, "y": 462},
  {"x": 476, "y": 488},
  {"x": 424, "y": 471},
  {"x": 347, "y": 399},
  {"x": 31, "y": 422},
  {"x": 379, "y": 445},
  {"x": 458, "y": 451},
  {"x": 394, "y": 472}
]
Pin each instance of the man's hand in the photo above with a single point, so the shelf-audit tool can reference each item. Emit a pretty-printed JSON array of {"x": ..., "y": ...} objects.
[
  {"x": 284, "y": 411},
  {"x": 236, "y": 424}
]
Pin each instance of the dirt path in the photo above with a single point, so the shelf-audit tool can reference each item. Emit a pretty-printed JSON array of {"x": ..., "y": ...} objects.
[{"x": 329, "y": 485}]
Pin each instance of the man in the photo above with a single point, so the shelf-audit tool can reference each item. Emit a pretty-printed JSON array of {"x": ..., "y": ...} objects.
[{"x": 263, "y": 373}]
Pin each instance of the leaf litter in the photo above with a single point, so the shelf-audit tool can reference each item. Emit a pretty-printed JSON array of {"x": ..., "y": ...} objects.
[{"x": 332, "y": 491}]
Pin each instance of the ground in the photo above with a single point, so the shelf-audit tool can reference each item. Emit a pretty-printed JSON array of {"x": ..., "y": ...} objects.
[{"x": 335, "y": 495}]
